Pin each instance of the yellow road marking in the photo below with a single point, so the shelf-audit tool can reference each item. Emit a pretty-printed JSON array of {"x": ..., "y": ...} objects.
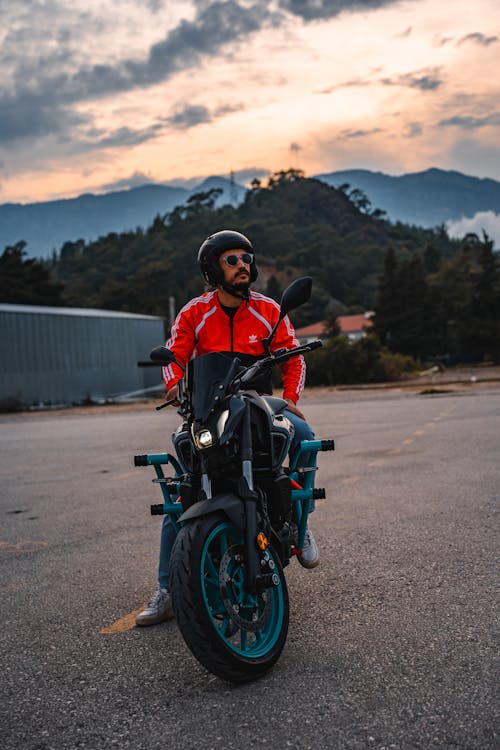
[
  {"x": 22, "y": 546},
  {"x": 123, "y": 624},
  {"x": 377, "y": 462},
  {"x": 408, "y": 441}
]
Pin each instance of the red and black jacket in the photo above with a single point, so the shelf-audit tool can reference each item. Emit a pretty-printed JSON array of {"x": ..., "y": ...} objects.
[{"x": 202, "y": 327}]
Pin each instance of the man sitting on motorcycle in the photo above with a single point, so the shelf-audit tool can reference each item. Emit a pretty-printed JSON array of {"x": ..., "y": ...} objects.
[{"x": 233, "y": 319}]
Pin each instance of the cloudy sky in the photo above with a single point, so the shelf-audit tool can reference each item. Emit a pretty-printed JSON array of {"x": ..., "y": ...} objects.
[{"x": 98, "y": 95}]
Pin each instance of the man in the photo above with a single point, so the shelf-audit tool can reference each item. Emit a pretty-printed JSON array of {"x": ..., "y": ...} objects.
[{"x": 231, "y": 319}]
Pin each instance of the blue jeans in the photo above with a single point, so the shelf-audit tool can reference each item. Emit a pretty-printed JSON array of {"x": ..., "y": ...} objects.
[{"x": 302, "y": 432}]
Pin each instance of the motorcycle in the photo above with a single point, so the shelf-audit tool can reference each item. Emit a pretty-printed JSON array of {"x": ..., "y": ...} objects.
[{"x": 239, "y": 514}]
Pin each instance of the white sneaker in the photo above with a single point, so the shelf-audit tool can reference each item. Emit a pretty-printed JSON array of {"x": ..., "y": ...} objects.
[
  {"x": 158, "y": 610},
  {"x": 309, "y": 557}
]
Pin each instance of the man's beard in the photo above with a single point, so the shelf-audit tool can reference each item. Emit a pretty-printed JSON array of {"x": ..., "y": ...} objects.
[
  {"x": 241, "y": 286},
  {"x": 239, "y": 289}
]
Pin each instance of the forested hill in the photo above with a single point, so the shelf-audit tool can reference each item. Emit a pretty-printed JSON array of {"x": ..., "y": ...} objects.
[
  {"x": 298, "y": 226},
  {"x": 427, "y": 199}
]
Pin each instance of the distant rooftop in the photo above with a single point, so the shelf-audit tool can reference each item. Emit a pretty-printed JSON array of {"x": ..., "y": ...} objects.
[{"x": 347, "y": 324}]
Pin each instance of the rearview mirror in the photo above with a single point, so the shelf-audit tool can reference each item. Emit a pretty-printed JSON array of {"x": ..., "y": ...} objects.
[
  {"x": 164, "y": 356},
  {"x": 296, "y": 295}
]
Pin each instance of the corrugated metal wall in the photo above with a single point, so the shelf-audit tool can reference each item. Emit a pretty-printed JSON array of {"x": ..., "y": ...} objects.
[{"x": 67, "y": 355}]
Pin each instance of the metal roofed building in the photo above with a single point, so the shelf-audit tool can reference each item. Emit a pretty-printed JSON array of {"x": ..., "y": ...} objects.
[{"x": 63, "y": 355}]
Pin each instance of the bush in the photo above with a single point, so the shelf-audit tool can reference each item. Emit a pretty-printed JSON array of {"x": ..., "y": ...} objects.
[
  {"x": 11, "y": 404},
  {"x": 364, "y": 361}
]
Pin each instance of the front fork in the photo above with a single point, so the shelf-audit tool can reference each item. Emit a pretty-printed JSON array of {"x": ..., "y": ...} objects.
[{"x": 255, "y": 581}]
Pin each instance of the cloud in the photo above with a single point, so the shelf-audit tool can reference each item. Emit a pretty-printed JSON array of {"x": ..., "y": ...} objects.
[
  {"x": 198, "y": 114},
  {"x": 47, "y": 81},
  {"x": 39, "y": 103},
  {"x": 425, "y": 80},
  {"x": 126, "y": 137},
  {"x": 404, "y": 34},
  {"x": 155, "y": 5},
  {"x": 360, "y": 133},
  {"x": 478, "y": 38},
  {"x": 189, "y": 117},
  {"x": 351, "y": 83},
  {"x": 47, "y": 88},
  {"x": 245, "y": 176},
  {"x": 33, "y": 115},
  {"x": 470, "y": 122},
  {"x": 412, "y": 130},
  {"x": 312, "y": 10},
  {"x": 137, "y": 179},
  {"x": 483, "y": 220}
]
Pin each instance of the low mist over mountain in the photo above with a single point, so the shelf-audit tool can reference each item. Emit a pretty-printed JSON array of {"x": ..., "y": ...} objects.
[{"x": 425, "y": 199}]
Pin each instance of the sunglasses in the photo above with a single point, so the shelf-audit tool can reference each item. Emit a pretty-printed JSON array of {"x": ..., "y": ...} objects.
[{"x": 232, "y": 260}]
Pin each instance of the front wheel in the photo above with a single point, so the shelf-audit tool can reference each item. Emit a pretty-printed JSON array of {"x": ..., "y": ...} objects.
[{"x": 236, "y": 635}]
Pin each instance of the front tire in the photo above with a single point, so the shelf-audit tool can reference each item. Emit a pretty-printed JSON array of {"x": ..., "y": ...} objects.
[{"x": 235, "y": 635}]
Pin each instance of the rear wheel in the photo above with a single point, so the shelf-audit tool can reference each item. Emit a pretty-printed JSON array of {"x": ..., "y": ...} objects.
[{"x": 236, "y": 635}]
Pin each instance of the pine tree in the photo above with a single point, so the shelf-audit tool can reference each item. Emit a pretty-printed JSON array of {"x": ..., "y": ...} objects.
[{"x": 26, "y": 282}]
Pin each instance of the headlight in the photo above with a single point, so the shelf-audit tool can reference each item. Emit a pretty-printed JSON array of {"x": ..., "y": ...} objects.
[{"x": 203, "y": 439}]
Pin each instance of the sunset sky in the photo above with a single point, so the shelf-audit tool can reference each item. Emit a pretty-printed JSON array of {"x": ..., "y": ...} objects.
[{"x": 96, "y": 96}]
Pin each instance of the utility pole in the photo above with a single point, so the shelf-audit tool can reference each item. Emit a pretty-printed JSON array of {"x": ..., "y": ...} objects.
[
  {"x": 171, "y": 311},
  {"x": 295, "y": 148}
]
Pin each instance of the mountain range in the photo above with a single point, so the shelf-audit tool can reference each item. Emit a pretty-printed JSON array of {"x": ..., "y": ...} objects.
[{"x": 426, "y": 199}]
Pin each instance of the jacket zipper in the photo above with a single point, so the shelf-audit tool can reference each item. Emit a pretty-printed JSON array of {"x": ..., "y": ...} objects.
[{"x": 231, "y": 332}]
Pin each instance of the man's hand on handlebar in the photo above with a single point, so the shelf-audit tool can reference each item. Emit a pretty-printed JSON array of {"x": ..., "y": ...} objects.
[{"x": 173, "y": 395}]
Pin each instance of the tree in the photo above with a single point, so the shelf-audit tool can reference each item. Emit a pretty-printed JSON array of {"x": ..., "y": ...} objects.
[
  {"x": 360, "y": 200},
  {"x": 26, "y": 282},
  {"x": 299, "y": 225},
  {"x": 388, "y": 303},
  {"x": 332, "y": 327},
  {"x": 485, "y": 312},
  {"x": 466, "y": 290},
  {"x": 402, "y": 313},
  {"x": 480, "y": 320},
  {"x": 273, "y": 288}
]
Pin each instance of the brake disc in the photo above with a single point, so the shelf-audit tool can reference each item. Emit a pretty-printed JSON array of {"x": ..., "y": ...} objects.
[{"x": 251, "y": 614}]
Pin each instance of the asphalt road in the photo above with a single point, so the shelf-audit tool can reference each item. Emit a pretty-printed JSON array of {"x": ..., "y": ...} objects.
[{"x": 393, "y": 638}]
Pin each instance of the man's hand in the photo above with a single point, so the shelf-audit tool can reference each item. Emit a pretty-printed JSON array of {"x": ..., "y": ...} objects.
[
  {"x": 291, "y": 407},
  {"x": 173, "y": 395}
]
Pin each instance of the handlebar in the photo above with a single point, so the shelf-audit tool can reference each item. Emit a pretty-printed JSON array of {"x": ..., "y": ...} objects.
[
  {"x": 282, "y": 355},
  {"x": 279, "y": 356}
]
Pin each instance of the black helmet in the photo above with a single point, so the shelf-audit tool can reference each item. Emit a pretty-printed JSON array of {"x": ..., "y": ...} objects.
[{"x": 212, "y": 249}]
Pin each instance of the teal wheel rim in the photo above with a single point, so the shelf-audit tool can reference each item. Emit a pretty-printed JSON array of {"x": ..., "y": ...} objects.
[{"x": 249, "y": 625}]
